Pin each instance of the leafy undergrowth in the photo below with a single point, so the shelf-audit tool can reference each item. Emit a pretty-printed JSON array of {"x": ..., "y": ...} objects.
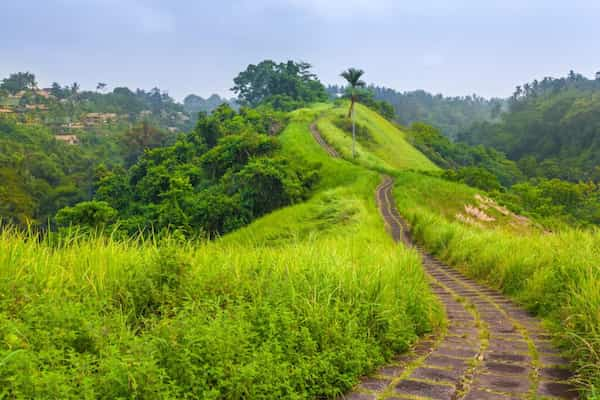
[
  {"x": 97, "y": 318},
  {"x": 555, "y": 275}
]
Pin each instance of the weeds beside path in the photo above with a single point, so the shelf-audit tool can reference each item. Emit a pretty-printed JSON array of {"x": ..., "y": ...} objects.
[{"x": 492, "y": 349}]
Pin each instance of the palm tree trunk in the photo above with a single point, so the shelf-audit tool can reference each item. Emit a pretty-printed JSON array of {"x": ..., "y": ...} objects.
[
  {"x": 351, "y": 114},
  {"x": 353, "y": 133}
]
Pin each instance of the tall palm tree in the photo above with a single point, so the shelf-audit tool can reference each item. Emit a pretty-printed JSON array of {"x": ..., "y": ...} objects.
[{"x": 353, "y": 75}]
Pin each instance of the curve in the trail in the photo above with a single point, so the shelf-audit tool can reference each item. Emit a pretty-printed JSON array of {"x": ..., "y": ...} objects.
[
  {"x": 317, "y": 135},
  {"x": 491, "y": 349}
]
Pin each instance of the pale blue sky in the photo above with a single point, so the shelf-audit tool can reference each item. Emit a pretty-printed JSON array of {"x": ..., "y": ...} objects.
[{"x": 183, "y": 46}]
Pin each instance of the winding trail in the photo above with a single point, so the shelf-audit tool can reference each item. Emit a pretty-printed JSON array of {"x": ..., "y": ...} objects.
[
  {"x": 491, "y": 349},
  {"x": 317, "y": 135}
]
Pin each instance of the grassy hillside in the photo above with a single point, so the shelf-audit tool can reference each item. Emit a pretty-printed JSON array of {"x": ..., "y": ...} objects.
[
  {"x": 344, "y": 197},
  {"x": 298, "y": 304},
  {"x": 384, "y": 148}
]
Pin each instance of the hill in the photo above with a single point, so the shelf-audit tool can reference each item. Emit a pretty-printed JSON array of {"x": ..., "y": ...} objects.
[
  {"x": 194, "y": 104},
  {"x": 458, "y": 223},
  {"x": 451, "y": 115},
  {"x": 552, "y": 129}
]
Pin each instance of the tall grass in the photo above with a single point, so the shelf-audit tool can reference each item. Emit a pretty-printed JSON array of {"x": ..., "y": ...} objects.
[
  {"x": 391, "y": 144},
  {"x": 556, "y": 275},
  {"x": 104, "y": 319},
  {"x": 388, "y": 150}
]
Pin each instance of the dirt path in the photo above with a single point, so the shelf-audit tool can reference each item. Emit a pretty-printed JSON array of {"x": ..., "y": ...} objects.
[
  {"x": 492, "y": 349},
  {"x": 317, "y": 135}
]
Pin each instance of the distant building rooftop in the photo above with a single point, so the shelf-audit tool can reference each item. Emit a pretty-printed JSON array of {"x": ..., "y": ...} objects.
[{"x": 69, "y": 139}]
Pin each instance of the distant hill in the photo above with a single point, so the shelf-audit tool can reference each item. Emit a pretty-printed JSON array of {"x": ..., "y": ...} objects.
[
  {"x": 65, "y": 108},
  {"x": 552, "y": 128},
  {"x": 193, "y": 104},
  {"x": 449, "y": 114}
]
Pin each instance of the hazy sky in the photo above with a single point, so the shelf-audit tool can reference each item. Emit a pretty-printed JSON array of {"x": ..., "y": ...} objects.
[{"x": 455, "y": 47}]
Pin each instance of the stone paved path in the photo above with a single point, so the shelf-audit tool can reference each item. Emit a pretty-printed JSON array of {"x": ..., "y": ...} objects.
[
  {"x": 492, "y": 349},
  {"x": 317, "y": 135}
]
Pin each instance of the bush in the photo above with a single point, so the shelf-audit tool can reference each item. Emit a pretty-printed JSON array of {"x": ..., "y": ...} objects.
[
  {"x": 475, "y": 177},
  {"x": 88, "y": 214}
]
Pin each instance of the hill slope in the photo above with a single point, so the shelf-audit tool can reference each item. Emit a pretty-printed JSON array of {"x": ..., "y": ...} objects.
[
  {"x": 552, "y": 129},
  {"x": 380, "y": 144},
  {"x": 343, "y": 198}
]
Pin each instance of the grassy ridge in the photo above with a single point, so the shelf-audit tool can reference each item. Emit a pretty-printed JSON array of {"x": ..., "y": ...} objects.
[
  {"x": 296, "y": 305},
  {"x": 389, "y": 150},
  {"x": 555, "y": 275}
]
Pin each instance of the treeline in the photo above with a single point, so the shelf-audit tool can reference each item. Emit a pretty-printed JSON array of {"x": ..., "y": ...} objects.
[
  {"x": 552, "y": 129},
  {"x": 67, "y": 104},
  {"x": 451, "y": 115},
  {"x": 284, "y": 86},
  {"x": 478, "y": 166},
  {"x": 62, "y": 107},
  {"x": 227, "y": 171},
  {"x": 194, "y": 104},
  {"x": 40, "y": 175}
]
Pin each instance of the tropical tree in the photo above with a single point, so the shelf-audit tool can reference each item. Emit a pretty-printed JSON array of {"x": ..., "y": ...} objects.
[
  {"x": 352, "y": 76},
  {"x": 18, "y": 81},
  {"x": 75, "y": 88},
  {"x": 285, "y": 86}
]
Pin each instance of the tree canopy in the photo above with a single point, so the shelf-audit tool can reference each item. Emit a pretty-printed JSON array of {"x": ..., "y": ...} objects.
[
  {"x": 18, "y": 81},
  {"x": 284, "y": 86},
  {"x": 552, "y": 129},
  {"x": 225, "y": 173}
]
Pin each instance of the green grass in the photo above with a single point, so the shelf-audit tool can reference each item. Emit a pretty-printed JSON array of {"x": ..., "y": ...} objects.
[
  {"x": 104, "y": 319},
  {"x": 555, "y": 275},
  {"x": 342, "y": 142},
  {"x": 298, "y": 304},
  {"x": 391, "y": 146},
  {"x": 448, "y": 199}
]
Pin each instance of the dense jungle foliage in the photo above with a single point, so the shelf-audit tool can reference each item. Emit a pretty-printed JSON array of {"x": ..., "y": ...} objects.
[
  {"x": 221, "y": 176},
  {"x": 552, "y": 129},
  {"x": 553, "y": 201}
]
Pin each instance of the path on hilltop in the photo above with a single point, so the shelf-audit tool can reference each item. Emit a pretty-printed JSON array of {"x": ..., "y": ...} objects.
[
  {"x": 317, "y": 135},
  {"x": 492, "y": 349}
]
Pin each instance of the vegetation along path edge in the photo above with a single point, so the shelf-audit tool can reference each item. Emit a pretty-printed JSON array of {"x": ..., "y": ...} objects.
[{"x": 491, "y": 349}]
